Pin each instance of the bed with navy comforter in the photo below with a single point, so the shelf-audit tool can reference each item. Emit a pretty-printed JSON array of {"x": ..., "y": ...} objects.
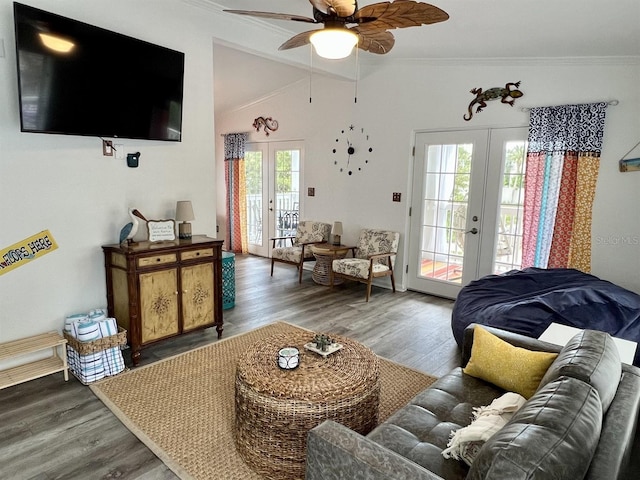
[{"x": 528, "y": 301}]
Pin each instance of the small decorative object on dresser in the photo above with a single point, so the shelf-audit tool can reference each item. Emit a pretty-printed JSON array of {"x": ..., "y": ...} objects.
[
  {"x": 130, "y": 229},
  {"x": 184, "y": 214},
  {"x": 161, "y": 230}
]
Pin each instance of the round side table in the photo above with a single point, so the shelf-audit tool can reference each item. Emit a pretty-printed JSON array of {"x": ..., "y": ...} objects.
[
  {"x": 275, "y": 408},
  {"x": 325, "y": 254}
]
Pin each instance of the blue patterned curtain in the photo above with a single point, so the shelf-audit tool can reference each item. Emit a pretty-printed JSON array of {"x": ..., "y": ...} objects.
[{"x": 236, "y": 199}]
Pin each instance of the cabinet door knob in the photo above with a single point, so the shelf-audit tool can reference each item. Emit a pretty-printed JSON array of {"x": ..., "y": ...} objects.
[
  {"x": 175, "y": 293},
  {"x": 185, "y": 291}
]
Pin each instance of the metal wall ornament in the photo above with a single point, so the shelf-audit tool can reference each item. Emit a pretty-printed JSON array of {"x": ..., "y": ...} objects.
[
  {"x": 508, "y": 95},
  {"x": 268, "y": 125}
]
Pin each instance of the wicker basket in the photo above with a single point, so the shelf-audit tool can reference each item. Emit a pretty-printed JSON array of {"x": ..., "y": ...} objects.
[{"x": 85, "y": 348}]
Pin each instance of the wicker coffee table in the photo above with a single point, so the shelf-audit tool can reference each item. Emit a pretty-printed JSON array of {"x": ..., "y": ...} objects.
[{"x": 276, "y": 408}]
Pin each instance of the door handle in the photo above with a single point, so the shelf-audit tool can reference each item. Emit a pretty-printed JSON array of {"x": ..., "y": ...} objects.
[{"x": 474, "y": 231}]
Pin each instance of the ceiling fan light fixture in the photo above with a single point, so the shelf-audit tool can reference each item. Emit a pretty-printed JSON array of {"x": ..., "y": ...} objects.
[{"x": 334, "y": 43}]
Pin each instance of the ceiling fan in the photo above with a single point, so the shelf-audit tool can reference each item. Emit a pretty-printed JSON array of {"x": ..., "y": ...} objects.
[{"x": 349, "y": 25}]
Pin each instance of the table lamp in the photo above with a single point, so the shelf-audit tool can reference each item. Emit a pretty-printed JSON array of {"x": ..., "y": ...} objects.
[
  {"x": 184, "y": 214},
  {"x": 336, "y": 231}
]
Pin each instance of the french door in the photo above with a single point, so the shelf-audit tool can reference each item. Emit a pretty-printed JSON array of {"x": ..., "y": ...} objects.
[
  {"x": 466, "y": 207},
  {"x": 273, "y": 172}
]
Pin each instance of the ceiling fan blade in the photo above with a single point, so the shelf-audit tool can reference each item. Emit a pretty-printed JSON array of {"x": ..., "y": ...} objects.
[
  {"x": 298, "y": 40},
  {"x": 276, "y": 16},
  {"x": 374, "y": 41},
  {"x": 399, "y": 14},
  {"x": 343, "y": 8}
]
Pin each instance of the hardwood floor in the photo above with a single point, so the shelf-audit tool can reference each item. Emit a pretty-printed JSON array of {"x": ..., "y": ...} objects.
[{"x": 50, "y": 429}]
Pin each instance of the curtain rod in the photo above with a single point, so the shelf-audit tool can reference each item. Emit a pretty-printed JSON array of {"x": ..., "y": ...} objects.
[
  {"x": 610, "y": 102},
  {"x": 233, "y": 133}
]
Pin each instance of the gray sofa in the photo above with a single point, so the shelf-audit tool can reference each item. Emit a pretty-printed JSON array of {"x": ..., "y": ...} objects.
[{"x": 580, "y": 423}]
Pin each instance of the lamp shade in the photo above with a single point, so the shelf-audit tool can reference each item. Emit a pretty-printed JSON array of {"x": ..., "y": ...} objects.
[
  {"x": 337, "y": 228},
  {"x": 334, "y": 43},
  {"x": 184, "y": 211}
]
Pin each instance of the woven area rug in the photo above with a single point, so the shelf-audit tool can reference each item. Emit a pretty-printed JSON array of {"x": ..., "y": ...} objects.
[{"x": 182, "y": 407}]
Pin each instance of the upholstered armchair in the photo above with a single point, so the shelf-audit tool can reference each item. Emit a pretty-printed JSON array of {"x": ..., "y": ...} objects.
[
  {"x": 372, "y": 258},
  {"x": 308, "y": 232}
]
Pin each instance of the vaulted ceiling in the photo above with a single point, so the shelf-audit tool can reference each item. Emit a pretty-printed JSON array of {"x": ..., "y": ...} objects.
[{"x": 478, "y": 31}]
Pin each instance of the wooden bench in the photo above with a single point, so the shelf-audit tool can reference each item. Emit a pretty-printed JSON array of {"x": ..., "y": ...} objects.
[{"x": 34, "y": 369}]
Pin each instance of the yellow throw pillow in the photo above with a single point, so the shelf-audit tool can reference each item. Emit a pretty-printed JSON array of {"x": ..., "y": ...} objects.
[{"x": 512, "y": 368}]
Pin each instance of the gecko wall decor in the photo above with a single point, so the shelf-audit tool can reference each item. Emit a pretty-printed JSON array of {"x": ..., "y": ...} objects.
[
  {"x": 267, "y": 123},
  {"x": 508, "y": 94}
]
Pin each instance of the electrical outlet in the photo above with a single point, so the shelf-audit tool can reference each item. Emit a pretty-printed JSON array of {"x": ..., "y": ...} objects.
[
  {"x": 119, "y": 149},
  {"x": 396, "y": 196},
  {"x": 311, "y": 191}
]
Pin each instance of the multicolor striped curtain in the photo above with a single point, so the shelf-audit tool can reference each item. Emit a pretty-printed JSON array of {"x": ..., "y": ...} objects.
[
  {"x": 563, "y": 159},
  {"x": 234, "y": 175}
]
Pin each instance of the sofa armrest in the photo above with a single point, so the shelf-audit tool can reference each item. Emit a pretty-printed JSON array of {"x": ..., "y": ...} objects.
[
  {"x": 335, "y": 452},
  {"x": 515, "y": 339},
  {"x": 618, "y": 430}
]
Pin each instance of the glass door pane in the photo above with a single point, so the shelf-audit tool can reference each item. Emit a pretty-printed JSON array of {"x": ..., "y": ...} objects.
[
  {"x": 273, "y": 174},
  {"x": 254, "y": 192},
  {"x": 446, "y": 201},
  {"x": 446, "y": 193},
  {"x": 287, "y": 188},
  {"x": 508, "y": 251}
]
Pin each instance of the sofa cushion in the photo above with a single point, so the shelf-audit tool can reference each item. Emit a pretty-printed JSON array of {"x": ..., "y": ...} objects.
[
  {"x": 553, "y": 436},
  {"x": 421, "y": 429},
  {"x": 512, "y": 368},
  {"x": 590, "y": 356}
]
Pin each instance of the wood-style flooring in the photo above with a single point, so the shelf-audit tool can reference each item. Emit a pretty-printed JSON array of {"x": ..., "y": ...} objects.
[{"x": 50, "y": 429}]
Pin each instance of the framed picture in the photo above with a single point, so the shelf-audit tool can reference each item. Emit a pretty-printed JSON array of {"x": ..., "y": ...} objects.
[
  {"x": 633, "y": 164},
  {"x": 161, "y": 230}
]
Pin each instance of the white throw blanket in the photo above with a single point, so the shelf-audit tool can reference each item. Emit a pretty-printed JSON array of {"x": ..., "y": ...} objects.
[{"x": 466, "y": 442}]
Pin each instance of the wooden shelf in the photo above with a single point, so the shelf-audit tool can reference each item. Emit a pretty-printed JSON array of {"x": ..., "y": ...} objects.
[{"x": 35, "y": 369}]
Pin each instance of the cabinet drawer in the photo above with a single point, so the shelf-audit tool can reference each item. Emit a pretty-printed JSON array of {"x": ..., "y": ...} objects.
[
  {"x": 157, "y": 260},
  {"x": 191, "y": 254}
]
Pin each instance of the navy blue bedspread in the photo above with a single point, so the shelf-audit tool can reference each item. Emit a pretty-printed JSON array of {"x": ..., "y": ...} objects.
[{"x": 528, "y": 301}]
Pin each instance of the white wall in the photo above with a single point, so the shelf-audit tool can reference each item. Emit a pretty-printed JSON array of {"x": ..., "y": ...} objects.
[
  {"x": 64, "y": 184},
  {"x": 396, "y": 101}
]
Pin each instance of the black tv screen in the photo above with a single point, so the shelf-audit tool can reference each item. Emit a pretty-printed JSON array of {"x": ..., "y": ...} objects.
[{"x": 105, "y": 84}]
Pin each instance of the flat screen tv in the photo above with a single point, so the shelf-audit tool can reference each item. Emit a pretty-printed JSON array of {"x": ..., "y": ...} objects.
[{"x": 79, "y": 79}]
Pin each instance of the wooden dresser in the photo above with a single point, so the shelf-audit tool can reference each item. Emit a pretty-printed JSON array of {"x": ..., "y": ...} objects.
[{"x": 160, "y": 290}]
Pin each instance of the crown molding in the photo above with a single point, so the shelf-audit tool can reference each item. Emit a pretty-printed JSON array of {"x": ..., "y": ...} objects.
[{"x": 512, "y": 61}]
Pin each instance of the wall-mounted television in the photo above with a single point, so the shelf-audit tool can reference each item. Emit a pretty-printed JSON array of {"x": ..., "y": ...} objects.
[{"x": 79, "y": 79}]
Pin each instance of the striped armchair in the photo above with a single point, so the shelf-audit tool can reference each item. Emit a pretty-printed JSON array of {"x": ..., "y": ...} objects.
[
  {"x": 372, "y": 258},
  {"x": 307, "y": 233}
]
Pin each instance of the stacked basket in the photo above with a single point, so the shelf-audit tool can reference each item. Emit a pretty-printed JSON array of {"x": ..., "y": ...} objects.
[{"x": 94, "y": 348}]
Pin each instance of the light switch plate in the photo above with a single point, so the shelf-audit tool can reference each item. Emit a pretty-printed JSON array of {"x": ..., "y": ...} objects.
[
  {"x": 311, "y": 191},
  {"x": 396, "y": 196}
]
